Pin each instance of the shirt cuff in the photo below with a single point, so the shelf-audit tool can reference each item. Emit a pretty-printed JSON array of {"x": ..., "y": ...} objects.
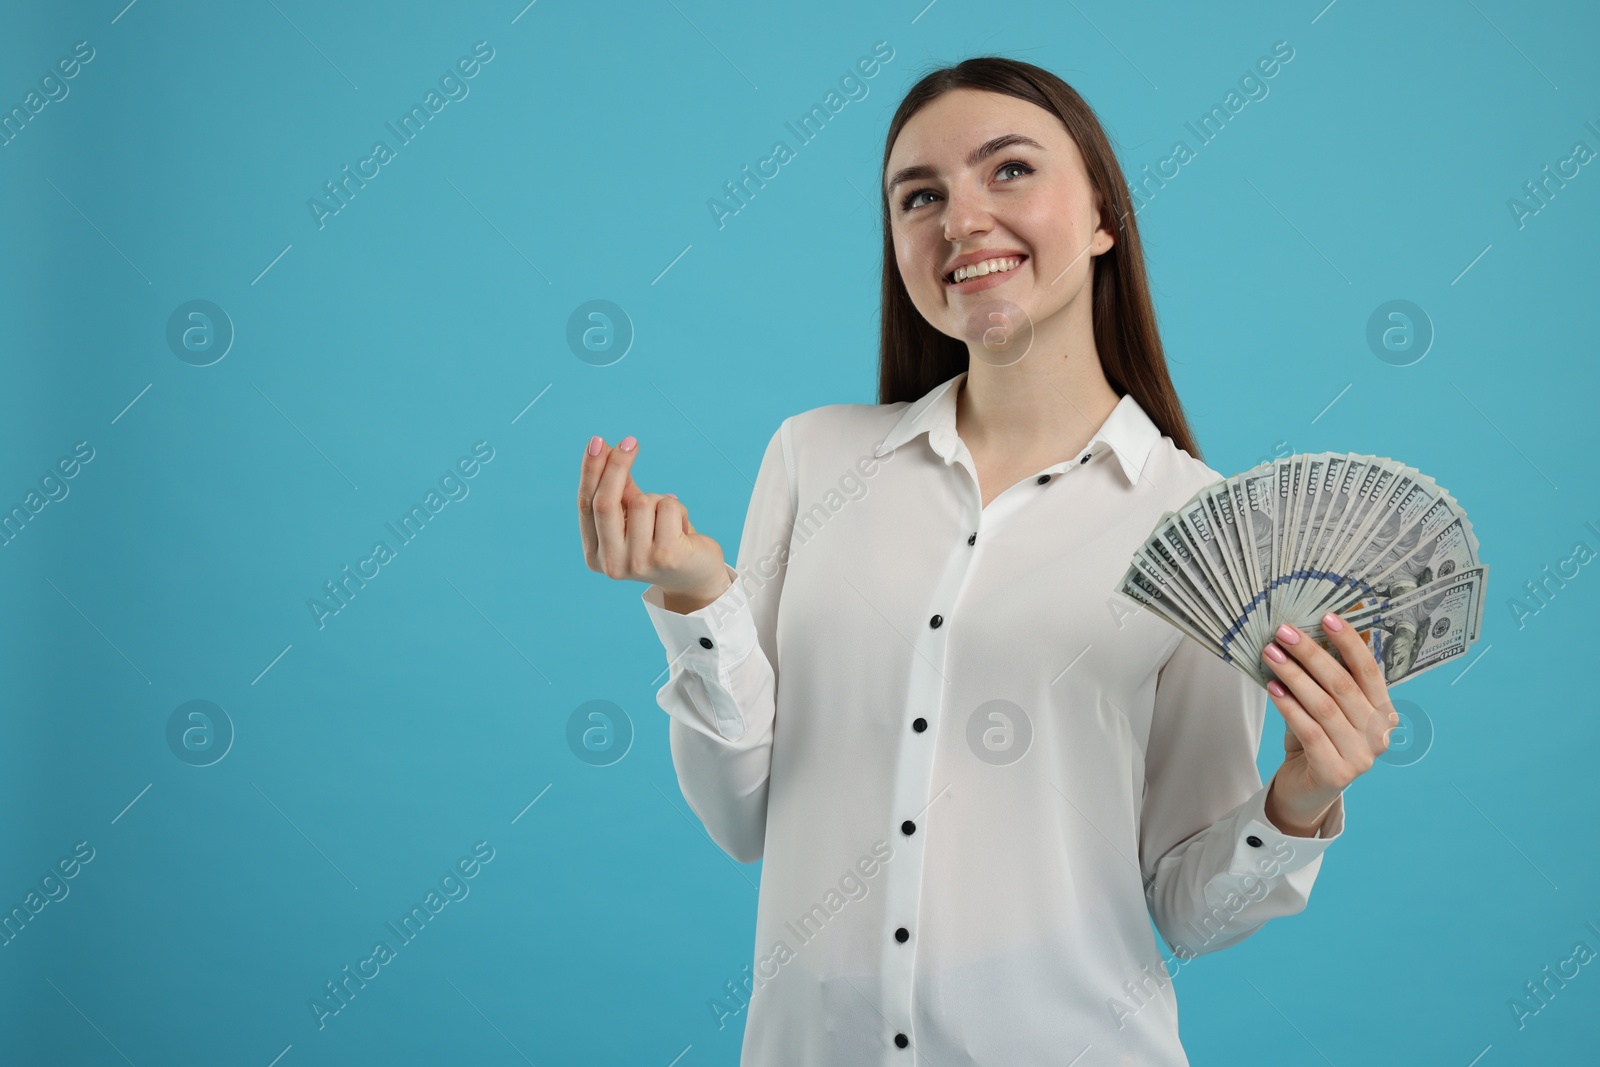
[
  {"x": 1262, "y": 850},
  {"x": 708, "y": 642}
]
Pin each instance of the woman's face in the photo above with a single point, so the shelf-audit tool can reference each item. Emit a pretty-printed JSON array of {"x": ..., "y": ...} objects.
[{"x": 1028, "y": 197}]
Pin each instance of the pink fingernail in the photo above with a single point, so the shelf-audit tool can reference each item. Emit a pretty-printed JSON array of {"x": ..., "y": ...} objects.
[
  {"x": 594, "y": 445},
  {"x": 1276, "y": 654},
  {"x": 1287, "y": 634},
  {"x": 629, "y": 444},
  {"x": 1330, "y": 621},
  {"x": 1276, "y": 689}
]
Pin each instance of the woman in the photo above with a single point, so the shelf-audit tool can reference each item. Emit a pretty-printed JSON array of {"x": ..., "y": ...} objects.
[{"x": 982, "y": 773}]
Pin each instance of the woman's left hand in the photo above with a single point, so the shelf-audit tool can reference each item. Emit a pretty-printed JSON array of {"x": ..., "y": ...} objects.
[{"x": 1338, "y": 721}]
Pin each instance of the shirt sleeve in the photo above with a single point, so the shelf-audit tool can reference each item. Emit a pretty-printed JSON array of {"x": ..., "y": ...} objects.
[
  {"x": 1215, "y": 868},
  {"x": 721, "y": 690}
]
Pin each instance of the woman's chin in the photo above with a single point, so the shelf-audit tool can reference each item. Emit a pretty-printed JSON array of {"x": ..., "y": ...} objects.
[{"x": 995, "y": 323}]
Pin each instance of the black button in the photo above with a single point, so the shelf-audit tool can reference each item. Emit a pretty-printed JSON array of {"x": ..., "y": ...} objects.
[
  {"x": 705, "y": 642},
  {"x": 1085, "y": 459},
  {"x": 908, "y": 827},
  {"x": 902, "y": 1040},
  {"x": 936, "y": 622},
  {"x": 919, "y": 724},
  {"x": 902, "y": 935},
  {"x": 1043, "y": 478},
  {"x": 1253, "y": 841},
  {"x": 972, "y": 539}
]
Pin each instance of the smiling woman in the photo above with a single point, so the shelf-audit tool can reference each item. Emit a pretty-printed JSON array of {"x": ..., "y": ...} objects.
[
  {"x": 944, "y": 661},
  {"x": 1043, "y": 187}
]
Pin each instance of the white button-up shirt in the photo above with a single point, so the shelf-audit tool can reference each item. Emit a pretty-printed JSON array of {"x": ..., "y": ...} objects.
[{"x": 973, "y": 771}]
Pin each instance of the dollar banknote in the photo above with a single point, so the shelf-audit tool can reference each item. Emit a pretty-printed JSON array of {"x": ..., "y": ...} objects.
[{"x": 1369, "y": 538}]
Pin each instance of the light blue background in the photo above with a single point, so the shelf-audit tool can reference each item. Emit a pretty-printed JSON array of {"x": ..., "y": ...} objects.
[{"x": 427, "y": 315}]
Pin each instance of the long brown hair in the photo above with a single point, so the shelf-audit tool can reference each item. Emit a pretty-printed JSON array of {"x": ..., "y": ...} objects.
[{"x": 914, "y": 357}]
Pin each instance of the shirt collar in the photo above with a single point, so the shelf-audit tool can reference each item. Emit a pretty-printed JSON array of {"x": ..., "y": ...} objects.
[{"x": 1127, "y": 431}]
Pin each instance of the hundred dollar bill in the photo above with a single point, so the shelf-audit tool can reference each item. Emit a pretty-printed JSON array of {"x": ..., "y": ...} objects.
[
  {"x": 1367, "y": 537},
  {"x": 1419, "y": 629}
]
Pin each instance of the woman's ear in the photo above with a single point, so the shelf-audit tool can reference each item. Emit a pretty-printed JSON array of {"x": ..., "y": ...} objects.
[
  {"x": 1102, "y": 242},
  {"x": 1103, "y": 237}
]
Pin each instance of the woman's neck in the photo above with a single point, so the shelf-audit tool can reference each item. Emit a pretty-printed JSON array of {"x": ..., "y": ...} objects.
[{"x": 1035, "y": 411}]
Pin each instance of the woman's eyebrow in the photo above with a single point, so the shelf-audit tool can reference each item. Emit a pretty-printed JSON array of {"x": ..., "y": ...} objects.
[{"x": 918, "y": 171}]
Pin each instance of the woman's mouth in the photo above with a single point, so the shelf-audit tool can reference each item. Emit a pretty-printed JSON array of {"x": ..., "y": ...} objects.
[{"x": 985, "y": 275}]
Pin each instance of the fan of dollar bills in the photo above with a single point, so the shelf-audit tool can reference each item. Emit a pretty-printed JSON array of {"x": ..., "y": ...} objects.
[{"x": 1367, "y": 537}]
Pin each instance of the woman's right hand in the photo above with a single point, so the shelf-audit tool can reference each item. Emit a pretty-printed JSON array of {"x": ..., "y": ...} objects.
[{"x": 646, "y": 537}]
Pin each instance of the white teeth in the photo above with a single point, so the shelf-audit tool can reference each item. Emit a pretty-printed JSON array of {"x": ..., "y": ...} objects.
[{"x": 988, "y": 266}]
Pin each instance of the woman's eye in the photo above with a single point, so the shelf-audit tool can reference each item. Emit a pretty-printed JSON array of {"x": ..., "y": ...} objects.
[{"x": 908, "y": 202}]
